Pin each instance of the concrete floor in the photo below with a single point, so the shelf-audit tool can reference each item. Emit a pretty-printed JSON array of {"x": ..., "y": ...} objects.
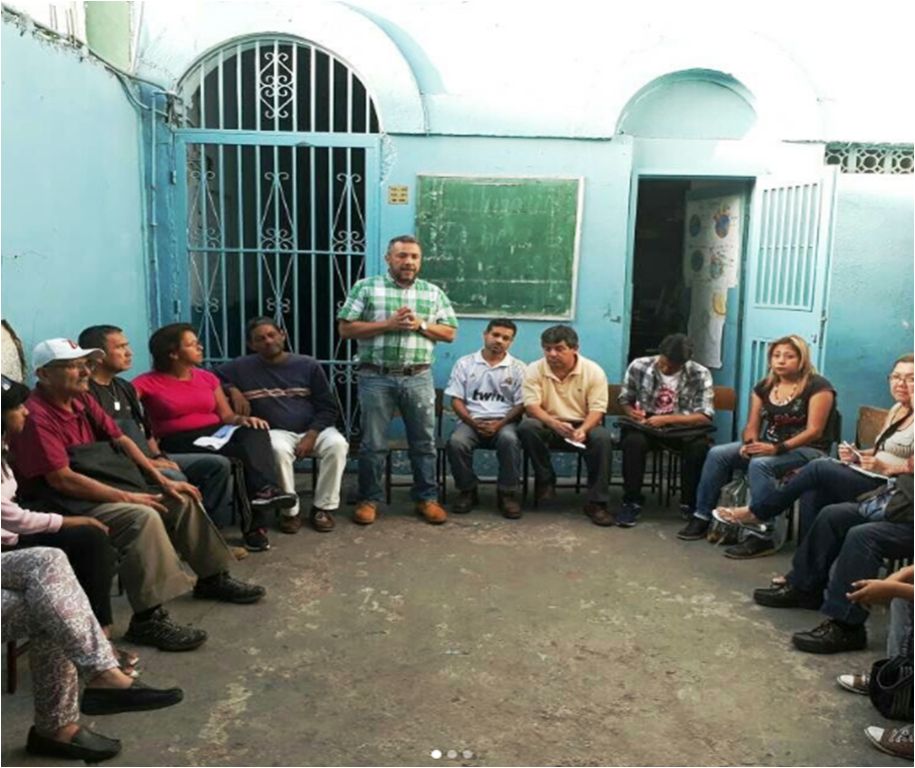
[{"x": 542, "y": 641}]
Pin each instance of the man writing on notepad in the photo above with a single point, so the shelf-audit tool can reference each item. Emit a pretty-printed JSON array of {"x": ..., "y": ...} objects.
[
  {"x": 565, "y": 398},
  {"x": 660, "y": 392}
]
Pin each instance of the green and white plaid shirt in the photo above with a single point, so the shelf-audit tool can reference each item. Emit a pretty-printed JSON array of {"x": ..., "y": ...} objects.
[{"x": 377, "y": 298}]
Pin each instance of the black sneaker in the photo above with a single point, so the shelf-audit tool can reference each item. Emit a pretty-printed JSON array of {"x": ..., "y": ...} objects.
[
  {"x": 831, "y": 637},
  {"x": 787, "y": 596},
  {"x": 628, "y": 514},
  {"x": 273, "y": 498},
  {"x": 161, "y": 632},
  {"x": 695, "y": 529},
  {"x": 753, "y": 546},
  {"x": 226, "y": 589},
  {"x": 256, "y": 540}
]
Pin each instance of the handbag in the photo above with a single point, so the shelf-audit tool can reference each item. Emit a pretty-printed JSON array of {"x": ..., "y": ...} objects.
[
  {"x": 890, "y": 687},
  {"x": 735, "y": 493},
  {"x": 104, "y": 461}
]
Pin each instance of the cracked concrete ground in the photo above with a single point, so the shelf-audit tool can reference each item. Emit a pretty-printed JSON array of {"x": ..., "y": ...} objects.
[{"x": 541, "y": 641}]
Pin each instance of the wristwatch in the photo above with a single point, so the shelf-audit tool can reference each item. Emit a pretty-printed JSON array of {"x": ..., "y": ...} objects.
[{"x": 424, "y": 326}]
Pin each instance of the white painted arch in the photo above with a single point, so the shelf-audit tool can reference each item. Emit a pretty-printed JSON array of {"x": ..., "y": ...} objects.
[
  {"x": 173, "y": 37},
  {"x": 780, "y": 91}
]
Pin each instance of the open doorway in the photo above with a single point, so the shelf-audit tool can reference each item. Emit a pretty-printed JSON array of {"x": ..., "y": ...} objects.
[{"x": 688, "y": 263}]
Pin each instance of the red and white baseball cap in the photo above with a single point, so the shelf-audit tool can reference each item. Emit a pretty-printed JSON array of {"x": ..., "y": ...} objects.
[{"x": 61, "y": 349}]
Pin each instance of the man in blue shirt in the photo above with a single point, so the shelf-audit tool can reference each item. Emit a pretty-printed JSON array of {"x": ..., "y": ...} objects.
[{"x": 291, "y": 393}]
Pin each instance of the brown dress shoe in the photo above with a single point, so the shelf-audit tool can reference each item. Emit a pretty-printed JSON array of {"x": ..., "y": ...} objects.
[
  {"x": 321, "y": 520},
  {"x": 599, "y": 513},
  {"x": 508, "y": 504},
  {"x": 365, "y": 513},
  {"x": 545, "y": 492},
  {"x": 290, "y": 524},
  {"x": 432, "y": 511}
]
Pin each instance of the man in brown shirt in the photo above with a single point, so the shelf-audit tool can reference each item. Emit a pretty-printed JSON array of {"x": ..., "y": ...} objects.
[{"x": 565, "y": 399}]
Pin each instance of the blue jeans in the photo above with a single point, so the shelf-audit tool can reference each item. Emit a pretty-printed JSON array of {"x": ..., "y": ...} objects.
[
  {"x": 820, "y": 483},
  {"x": 414, "y": 398},
  {"x": 762, "y": 473},
  {"x": 843, "y": 547}
]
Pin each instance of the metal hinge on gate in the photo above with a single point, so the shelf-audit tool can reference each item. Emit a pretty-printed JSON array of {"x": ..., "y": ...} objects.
[
  {"x": 173, "y": 177},
  {"x": 176, "y": 306}
]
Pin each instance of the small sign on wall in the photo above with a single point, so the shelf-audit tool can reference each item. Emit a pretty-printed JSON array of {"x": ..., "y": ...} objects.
[{"x": 398, "y": 194}]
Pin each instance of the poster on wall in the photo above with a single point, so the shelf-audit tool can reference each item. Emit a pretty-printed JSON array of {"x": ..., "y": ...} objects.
[{"x": 711, "y": 265}]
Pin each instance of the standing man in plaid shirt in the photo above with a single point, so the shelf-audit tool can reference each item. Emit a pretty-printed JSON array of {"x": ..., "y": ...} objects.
[
  {"x": 397, "y": 319},
  {"x": 662, "y": 391}
]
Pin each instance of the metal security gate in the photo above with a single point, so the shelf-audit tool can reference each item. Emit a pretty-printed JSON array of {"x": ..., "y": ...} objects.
[
  {"x": 787, "y": 284},
  {"x": 280, "y": 193}
]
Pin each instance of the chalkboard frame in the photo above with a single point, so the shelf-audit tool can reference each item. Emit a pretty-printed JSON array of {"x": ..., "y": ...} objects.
[{"x": 501, "y": 178}]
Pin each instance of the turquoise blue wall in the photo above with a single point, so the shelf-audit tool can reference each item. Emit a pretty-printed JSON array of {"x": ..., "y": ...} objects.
[
  {"x": 604, "y": 229},
  {"x": 870, "y": 302},
  {"x": 72, "y": 240}
]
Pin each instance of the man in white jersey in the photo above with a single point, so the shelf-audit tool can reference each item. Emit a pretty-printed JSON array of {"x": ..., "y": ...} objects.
[{"x": 485, "y": 388}]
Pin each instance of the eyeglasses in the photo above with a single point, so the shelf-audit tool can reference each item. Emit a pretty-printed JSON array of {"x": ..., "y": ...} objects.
[
  {"x": 898, "y": 378},
  {"x": 77, "y": 365}
]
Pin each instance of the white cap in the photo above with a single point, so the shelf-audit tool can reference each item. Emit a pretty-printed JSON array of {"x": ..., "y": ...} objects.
[{"x": 61, "y": 349}]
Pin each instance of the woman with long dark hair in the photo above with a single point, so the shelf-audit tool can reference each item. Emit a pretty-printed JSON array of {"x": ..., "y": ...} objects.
[
  {"x": 826, "y": 481},
  {"x": 789, "y": 411}
]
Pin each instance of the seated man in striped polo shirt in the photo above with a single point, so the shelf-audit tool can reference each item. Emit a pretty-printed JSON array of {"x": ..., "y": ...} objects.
[
  {"x": 485, "y": 390},
  {"x": 291, "y": 393}
]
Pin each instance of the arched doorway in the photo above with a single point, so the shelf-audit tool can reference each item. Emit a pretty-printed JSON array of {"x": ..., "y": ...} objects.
[{"x": 279, "y": 147}]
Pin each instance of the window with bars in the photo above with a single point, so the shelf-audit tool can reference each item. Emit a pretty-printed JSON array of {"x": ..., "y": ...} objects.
[
  {"x": 276, "y": 84},
  {"x": 870, "y": 158}
]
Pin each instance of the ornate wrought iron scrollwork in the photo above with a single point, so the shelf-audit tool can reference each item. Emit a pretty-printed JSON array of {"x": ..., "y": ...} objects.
[{"x": 277, "y": 84}]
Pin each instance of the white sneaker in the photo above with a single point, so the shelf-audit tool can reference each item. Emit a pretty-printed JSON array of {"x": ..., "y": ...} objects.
[{"x": 855, "y": 683}]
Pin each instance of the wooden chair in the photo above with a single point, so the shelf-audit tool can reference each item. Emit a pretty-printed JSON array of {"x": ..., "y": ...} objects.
[
  {"x": 14, "y": 649},
  {"x": 867, "y": 429},
  {"x": 401, "y": 444}
]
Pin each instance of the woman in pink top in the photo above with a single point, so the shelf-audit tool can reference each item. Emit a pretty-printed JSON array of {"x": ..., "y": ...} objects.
[
  {"x": 84, "y": 540},
  {"x": 185, "y": 402}
]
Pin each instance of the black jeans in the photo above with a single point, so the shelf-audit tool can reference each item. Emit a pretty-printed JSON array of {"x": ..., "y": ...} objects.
[
  {"x": 92, "y": 558},
  {"x": 250, "y": 446},
  {"x": 637, "y": 444},
  {"x": 854, "y": 548},
  {"x": 537, "y": 440}
]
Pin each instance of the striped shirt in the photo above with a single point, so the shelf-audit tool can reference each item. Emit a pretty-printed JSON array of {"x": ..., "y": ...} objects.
[
  {"x": 489, "y": 391},
  {"x": 375, "y": 299}
]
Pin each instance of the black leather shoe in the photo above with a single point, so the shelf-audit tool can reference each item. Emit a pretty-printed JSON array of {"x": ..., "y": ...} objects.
[
  {"x": 85, "y": 745},
  {"x": 465, "y": 501},
  {"x": 831, "y": 637},
  {"x": 137, "y": 698},
  {"x": 786, "y": 596},
  {"x": 224, "y": 588},
  {"x": 695, "y": 529}
]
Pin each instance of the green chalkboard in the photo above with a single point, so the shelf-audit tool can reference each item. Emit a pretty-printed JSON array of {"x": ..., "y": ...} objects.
[{"x": 501, "y": 246}]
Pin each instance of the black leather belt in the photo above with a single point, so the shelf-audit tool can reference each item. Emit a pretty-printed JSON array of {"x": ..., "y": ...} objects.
[{"x": 395, "y": 370}]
